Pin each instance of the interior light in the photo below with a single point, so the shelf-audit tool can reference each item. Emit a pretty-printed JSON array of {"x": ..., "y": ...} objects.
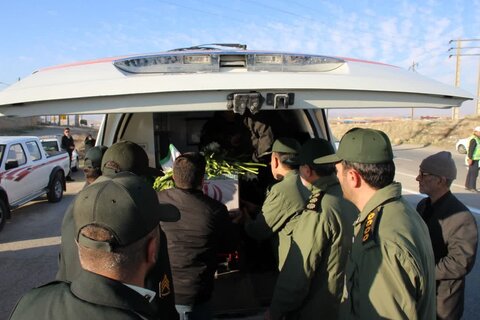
[
  {"x": 169, "y": 63},
  {"x": 197, "y": 59},
  {"x": 268, "y": 59},
  {"x": 292, "y": 63},
  {"x": 190, "y": 62}
]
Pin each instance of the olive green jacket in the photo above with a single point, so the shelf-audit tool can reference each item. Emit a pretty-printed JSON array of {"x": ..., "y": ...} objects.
[
  {"x": 159, "y": 278},
  {"x": 279, "y": 213},
  {"x": 90, "y": 296},
  {"x": 391, "y": 271},
  {"x": 310, "y": 284}
]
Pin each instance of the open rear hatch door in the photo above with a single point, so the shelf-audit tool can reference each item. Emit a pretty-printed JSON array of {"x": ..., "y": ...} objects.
[{"x": 215, "y": 80}]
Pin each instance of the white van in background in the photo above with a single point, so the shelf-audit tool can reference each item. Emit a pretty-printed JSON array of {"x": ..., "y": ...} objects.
[{"x": 167, "y": 98}]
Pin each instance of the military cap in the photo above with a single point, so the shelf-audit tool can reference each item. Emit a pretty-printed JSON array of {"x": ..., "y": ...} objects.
[
  {"x": 125, "y": 205},
  {"x": 127, "y": 156},
  {"x": 284, "y": 145},
  {"x": 362, "y": 146},
  {"x": 311, "y": 150},
  {"x": 93, "y": 158}
]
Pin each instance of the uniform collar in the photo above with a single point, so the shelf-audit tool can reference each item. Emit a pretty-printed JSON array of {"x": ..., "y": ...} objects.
[
  {"x": 323, "y": 183},
  {"x": 100, "y": 290},
  {"x": 147, "y": 294},
  {"x": 290, "y": 173},
  {"x": 388, "y": 193}
]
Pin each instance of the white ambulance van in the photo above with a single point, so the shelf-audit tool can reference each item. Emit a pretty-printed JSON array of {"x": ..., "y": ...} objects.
[{"x": 163, "y": 99}]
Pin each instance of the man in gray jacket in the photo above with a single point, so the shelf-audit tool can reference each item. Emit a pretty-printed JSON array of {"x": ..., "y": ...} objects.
[{"x": 453, "y": 232}]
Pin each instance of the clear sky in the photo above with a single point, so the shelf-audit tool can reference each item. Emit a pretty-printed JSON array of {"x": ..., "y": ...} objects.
[{"x": 41, "y": 33}]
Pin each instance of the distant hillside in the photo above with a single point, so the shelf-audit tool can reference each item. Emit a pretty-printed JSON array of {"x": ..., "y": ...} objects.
[
  {"x": 14, "y": 123},
  {"x": 437, "y": 132}
]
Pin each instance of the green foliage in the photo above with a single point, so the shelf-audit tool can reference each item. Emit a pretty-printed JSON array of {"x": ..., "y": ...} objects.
[
  {"x": 216, "y": 166},
  {"x": 165, "y": 182}
]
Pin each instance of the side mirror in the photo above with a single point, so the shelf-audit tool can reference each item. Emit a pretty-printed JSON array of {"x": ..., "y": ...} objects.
[{"x": 11, "y": 164}]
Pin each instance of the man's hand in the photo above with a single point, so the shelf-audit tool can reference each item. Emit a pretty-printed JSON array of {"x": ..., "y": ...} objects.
[
  {"x": 469, "y": 161},
  {"x": 249, "y": 207},
  {"x": 236, "y": 216},
  {"x": 266, "y": 316}
]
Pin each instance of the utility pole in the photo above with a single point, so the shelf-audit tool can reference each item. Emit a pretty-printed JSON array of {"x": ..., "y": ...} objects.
[
  {"x": 458, "y": 54},
  {"x": 413, "y": 68},
  {"x": 478, "y": 89}
]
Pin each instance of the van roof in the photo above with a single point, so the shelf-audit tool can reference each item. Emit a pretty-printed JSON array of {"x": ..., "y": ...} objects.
[{"x": 190, "y": 80}]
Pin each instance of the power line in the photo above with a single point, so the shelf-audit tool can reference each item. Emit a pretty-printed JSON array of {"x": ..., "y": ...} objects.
[
  {"x": 376, "y": 37},
  {"x": 414, "y": 66},
  {"x": 230, "y": 15},
  {"x": 458, "y": 54}
]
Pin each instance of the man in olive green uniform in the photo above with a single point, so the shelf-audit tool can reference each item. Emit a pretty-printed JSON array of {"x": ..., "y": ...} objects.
[
  {"x": 310, "y": 284},
  {"x": 390, "y": 273},
  {"x": 283, "y": 202},
  {"x": 117, "y": 233},
  {"x": 120, "y": 157}
]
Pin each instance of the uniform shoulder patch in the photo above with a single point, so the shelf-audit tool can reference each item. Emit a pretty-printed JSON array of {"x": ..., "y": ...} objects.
[
  {"x": 315, "y": 201},
  {"x": 164, "y": 287},
  {"x": 370, "y": 224}
]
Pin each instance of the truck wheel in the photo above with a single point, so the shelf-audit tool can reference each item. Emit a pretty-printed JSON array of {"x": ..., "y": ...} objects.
[
  {"x": 55, "y": 192},
  {"x": 3, "y": 213}
]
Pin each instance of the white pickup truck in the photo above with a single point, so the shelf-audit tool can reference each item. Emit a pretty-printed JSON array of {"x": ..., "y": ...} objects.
[
  {"x": 53, "y": 144},
  {"x": 27, "y": 172}
]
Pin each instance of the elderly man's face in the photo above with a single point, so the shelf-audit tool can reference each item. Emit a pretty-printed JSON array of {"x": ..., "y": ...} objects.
[{"x": 427, "y": 182}]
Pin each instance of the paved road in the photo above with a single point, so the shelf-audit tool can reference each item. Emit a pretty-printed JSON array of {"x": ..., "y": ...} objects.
[
  {"x": 29, "y": 246},
  {"x": 29, "y": 241},
  {"x": 407, "y": 161}
]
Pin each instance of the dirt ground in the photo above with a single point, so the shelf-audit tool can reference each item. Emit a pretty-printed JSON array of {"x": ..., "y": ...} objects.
[{"x": 438, "y": 132}]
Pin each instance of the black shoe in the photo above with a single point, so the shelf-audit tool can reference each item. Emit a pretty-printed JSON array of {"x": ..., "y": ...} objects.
[
  {"x": 69, "y": 179},
  {"x": 472, "y": 190}
]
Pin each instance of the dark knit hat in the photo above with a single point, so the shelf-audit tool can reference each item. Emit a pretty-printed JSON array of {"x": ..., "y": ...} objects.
[{"x": 440, "y": 164}]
